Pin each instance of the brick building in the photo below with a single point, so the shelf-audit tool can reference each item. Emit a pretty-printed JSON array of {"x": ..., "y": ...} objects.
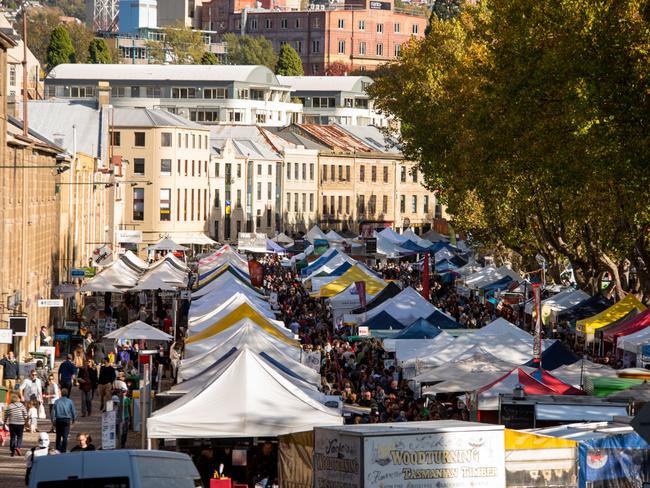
[{"x": 359, "y": 34}]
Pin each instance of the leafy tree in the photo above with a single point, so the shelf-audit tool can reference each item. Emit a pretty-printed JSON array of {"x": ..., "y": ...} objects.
[
  {"x": 250, "y": 50},
  {"x": 289, "y": 63},
  {"x": 180, "y": 45},
  {"x": 72, "y": 8},
  {"x": 209, "y": 58},
  {"x": 40, "y": 24},
  {"x": 81, "y": 37},
  {"x": 529, "y": 118},
  {"x": 443, "y": 10},
  {"x": 337, "y": 68},
  {"x": 60, "y": 49},
  {"x": 98, "y": 52}
]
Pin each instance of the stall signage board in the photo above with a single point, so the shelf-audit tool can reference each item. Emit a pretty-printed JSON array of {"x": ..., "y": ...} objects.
[
  {"x": 364, "y": 331},
  {"x": 50, "y": 303},
  {"x": 337, "y": 459},
  {"x": 128, "y": 236},
  {"x": 6, "y": 336},
  {"x": 78, "y": 273},
  {"x": 108, "y": 430}
]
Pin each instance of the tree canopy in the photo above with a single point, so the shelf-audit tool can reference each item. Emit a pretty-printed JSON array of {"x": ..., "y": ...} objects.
[
  {"x": 250, "y": 50},
  {"x": 209, "y": 58},
  {"x": 289, "y": 63},
  {"x": 98, "y": 52},
  {"x": 60, "y": 49},
  {"x": 180, "y": 45},
  {"x": 530, "y": 119}
]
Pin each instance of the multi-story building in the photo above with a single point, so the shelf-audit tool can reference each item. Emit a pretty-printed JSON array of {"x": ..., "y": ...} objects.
[
  {"x": 29, "y": 220},
  {"x": 137, "y": 14},
  {"x": 359, "y": 34},
  {"x": 219, "y": 94},
  {"x": 163, "y": 187},
  {"x": 335, "y": 100}
]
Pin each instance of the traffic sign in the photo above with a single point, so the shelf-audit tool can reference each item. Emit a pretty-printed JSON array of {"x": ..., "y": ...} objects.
[
  {"x": 78, "y": 273},
  {"x": 50, "y": 303},
  {"x": 641, "y": 422}
]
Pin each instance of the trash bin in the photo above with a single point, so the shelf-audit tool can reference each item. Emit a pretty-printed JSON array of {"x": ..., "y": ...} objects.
[{"x": 4, "y": 394}]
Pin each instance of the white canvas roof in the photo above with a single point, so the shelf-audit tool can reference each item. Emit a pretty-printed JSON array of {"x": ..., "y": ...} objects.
[
  {"x": 348, "y": 298},
  {"x": 488, "y": 275},
  {"x": 248, "y": 399},
  {"x": 315, "y": 233},
  {"x": 166, "y": 244},
  {"x": 561, "y": 301},
  {"x": 139, "y": 330},
  {"x": 223, "y": 255},
  {"x": 199, "y": 323},
  {"x": 153, "y": 282},
  {"x": 213, "y": 300},
  {"x": 331, "y": 265},
  {"x": 412, "y": 236},
  {"x": 115, "y": 276},
  {"x": 243, "y": 332},
  {"x": 576, "y": 373},
  {"x": 406, "y": 349},
  {"x": 282, "y": 238},
  {"x": 101, "y": 283},
  {"x": 225, "y": 280},
  {"x": 332, "y": 236},
  {"x": 135, "y": 260},
  {"x": 406, "y": 307},
  {"x": 198, "y": 238},
  {"x": 631, "y": 342}
]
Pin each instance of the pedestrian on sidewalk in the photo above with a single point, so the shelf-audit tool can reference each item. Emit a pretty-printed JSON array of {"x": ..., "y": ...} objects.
[
  {"x": 123, "y": 417},
  {"x": 9, "y": 371},
  {"x": 42, "y": 449},
  {"x": 53, "y": 393},
  {"x": 15, "y": 416},
  {"x": 64, "y": 415},
  {"x": 67, "y": 372},
  {"x": 84, "y": 443},
  {"x": 31, "y": 389},
  {"x": 87, "y": 380},
  {"x": 106, "y": 378}
]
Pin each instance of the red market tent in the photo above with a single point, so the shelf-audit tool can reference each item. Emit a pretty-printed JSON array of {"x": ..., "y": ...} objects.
[{"x": 630, "y": 326}]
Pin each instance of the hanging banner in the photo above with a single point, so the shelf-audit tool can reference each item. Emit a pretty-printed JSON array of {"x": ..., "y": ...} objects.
[
  {"x": 256, "y": 272},
  {"x": 361, "y": 291},
  {"x": 103, "y": 255},
  {"x": 537, "y": 340},
  {"x": 426, "y": 293}
]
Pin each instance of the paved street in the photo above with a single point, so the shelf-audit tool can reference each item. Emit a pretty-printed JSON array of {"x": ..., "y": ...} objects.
[{"x": 12, "y": 470}]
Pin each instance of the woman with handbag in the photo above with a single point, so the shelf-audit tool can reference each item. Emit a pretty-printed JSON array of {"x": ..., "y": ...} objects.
[{"x": 15, "y": 416}]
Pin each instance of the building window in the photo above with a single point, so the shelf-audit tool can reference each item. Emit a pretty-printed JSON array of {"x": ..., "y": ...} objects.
[
  {"x": 402, "y": 203},
  {"x": 12, "y": 75},
  {"x": 398, "y": 49},
  {"x": 372, "y": 204},
  {"x": 341, "y": 23},
  {"x": 268, "y": 217},
  {"x": 269, "y": 191},
  {"x": 298, "y": 46},
  {"x": 165, "y": 204},
  {"x": 396, "y": 27},
  {"x": 315, "y": 23},
  {"x": 402, "y": 175},
  {"x": 139, "y": 139},
  {"x": 154, "y": 92},
  {"x": 138, "y": 166},
  {"x": 362, "y": 173},
  {"x": 235, "y": 116},
  {"x": 217, "y": 199},
  {"x": 204, "y": 115},
  {"x": 259, "y": 190},
  {"x": 166, "y": 139},
  {"x": 297, "y": 24},
  {"x": 260, "y": 118},
  {"x": 297, "y": 171},
  {"x": 238, "y": 170},
  {"x": 384, "y": 204},
  {"x": 295, "y": 202},
  {"x": 183, "y": 92},
  {"x": 165, "y": 167},
  {"x": 425, "y": 207},
  {"x": 340, "y": 204},
  {"x": 332, "y": 205},
  {"x": 380, "y": 50},
  {"x": 362, "y": 25},
  {"x": 288, "y": 202},
  {"x": 315, "y": 46},
  {"x": 361, "y": 204},
  {"x": 341, "y": 47},
  {"x": 304, "y": 171},
  {"x": 258, "y": 219},
  {"x": 385, "y": 174},
  {"x": 324, "y": 172},
  {"x": 324, "y": 102},
  {"x": 138, "y": 204},
  {"x": 215, "y": 93},
  {"x": 216, "y": 170},
  {"x": 347, "y": 173},
  {"x": 288, "y": 171},
  {"x": 324, "y": 205},
  {"x": 116, "y": 138},
  {"x": 186, "y": 165},
  {"x": 315, "y": 68},
  {"x": 284, "y": 24},
  {"x": 438, "y": 211},
  {"x": 311, "y": 171},
  {"x": 373, "y": 173},
  {"x": 362, "y": 47},
  {"x": 311, "y": 202},
  {"x": 268, "y": 23},
  {"x": 415, "y": 29},
  {"x": 414, "y": 174},
  {"x": 333, "y": 173},
  {"x": 414, "y": 203},
  {"x": 238, "y": 199},
  {"x": 380, "y": 28},
  {"x": 340, "y": 172},
  {"x": 254, "y": 24},
  {"x": 347, "y": 204}
]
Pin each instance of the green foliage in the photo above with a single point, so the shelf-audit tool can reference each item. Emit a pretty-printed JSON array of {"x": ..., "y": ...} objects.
[
  {"x": 81, "y": 37},
  {"x": 530, "y": 119},
  {"x": 72, "y": 8},
  {"x": 250, "y": 50},
  {"x": 40, "y": 24},
  {"x": 60, "y": 49},
  {"x": 209, "y": 58},
  {"x": 98, "y": 52},
  {"x": 443, "y": 10},
  {"x": 289, "y": 63},
  {"x": 181, "y": 45}
]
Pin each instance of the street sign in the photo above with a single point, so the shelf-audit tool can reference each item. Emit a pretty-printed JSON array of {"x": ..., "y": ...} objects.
[
  {"x": 108, "y": 429},
  {"x": 128, "y": 236},
  {"x": 89, "y": 271},
  {"x": 6, "y": 336},
  {"x": 364, "y": 331},
  {"x": 50, "y": 303},
  {"x": 78, "y": 273},
  {"x": 641, "y": 422}
]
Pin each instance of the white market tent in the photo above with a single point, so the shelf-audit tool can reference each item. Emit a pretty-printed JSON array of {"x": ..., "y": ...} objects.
[
  {"x": 488, "y": 275},
  {"x": 166, "y": 244},
  {"x": 575, "y": 374},
  {"x": 283, "y": 239},
  {"x": 332, "y": 236},
  {"x": 198, "y": 239},
  {"x": 153, "y": 282},
  {"x": 631, "y": 343},
  {"x": 101, "y": 283},
  {"x": 551, "y": 306},
  {"x": 329, "y": 266},
  {"x": 388, "y": 242},
  {"x": 213, "y": 300},
  {"x": 248, "y": 399},
  {"x": 116, "y": 277},
  {"x": 406, "y": 349},
  {"x": 226, "y": 279},
  {"x": 198, "y": 323},
  {"x": 223, "y": 255},
  {"x": 406, "y": 307},
  {"x": 139, "y": 330},
  {"x": 412, "y": 236},
  {"x": 315, "y": 233},
  {"x": 135, "y": 261},
  {"x": 243, "y": 332}
]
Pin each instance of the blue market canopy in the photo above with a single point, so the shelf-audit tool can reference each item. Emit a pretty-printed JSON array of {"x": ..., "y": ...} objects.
[
  {"x": 387, "y": 293},
  {"x": 411, "y": 246},
  {"x": 442, "y": 321},
  {"x": 445, "y": 265},
  {"x": 556, "y": 355},
  {"x": 500, "y": 284},
  {"x": 274, "y": 247},
  {"x": 383, "y": 321},
  {"x": 439, "y": 246},
  {"x": 324, "y": 259},
  {"x": 338, "y": 271},
  {"x": 420, "y": 329},
  {"x": 587, "y": 308}
]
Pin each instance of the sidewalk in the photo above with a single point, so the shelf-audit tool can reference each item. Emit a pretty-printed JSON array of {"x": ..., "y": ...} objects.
[{"x": 12, "y": 469}]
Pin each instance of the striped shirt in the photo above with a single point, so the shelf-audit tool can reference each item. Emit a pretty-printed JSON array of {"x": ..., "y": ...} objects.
[{"x": 15, "y": 414}]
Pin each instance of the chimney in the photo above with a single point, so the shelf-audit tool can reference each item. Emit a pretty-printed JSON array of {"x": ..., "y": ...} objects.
[{"x": 103, "y": 93}]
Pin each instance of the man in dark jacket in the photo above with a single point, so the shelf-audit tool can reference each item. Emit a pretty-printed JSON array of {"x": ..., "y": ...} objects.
[
  {"x": 67, "y": 372},
  {"x": 9, "y": 371},
  {"x": 96, "y": 351},
  {"x": 105, "y": 381},
  {"x": 87, "y": 379}
]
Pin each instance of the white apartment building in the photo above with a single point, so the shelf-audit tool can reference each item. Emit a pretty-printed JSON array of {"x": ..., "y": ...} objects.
[{"x": 209, "y": 95}]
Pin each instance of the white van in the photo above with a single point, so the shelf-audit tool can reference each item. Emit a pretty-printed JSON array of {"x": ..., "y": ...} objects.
[{"x": 115, "y": 469}]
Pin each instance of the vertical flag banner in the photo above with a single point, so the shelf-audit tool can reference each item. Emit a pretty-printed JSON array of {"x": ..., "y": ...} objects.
[
  {"x": 426, "y": 293},
  {"x": 256, "y": 272},
  {"x": 361, "y": 291},
  {"x": 537, "y": 344}
]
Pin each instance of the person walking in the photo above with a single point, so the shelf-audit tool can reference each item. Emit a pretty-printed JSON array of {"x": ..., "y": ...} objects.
[
  {"x": 123, "y": 417},
  {"x": 96, "y": 350},
  {"x": 64, "y": 415},
  {"x": 67, "y": 372},
  {"x": 106, "y": 378},
  {"x": 84, "y": 443},
  {"x": 9, "y": 371},
  {"x": 53, "y": 393},
  {"x": 31, "y": 389},
  {"x": 87, "y": 380},
  {"x": 15, "y": 416}
]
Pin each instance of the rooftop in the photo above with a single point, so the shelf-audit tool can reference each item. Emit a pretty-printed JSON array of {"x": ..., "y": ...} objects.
[
  {"x": 145, "y": 117},
  {"x": 248, "y": 141},
  {"x": 326, "y": 83}
]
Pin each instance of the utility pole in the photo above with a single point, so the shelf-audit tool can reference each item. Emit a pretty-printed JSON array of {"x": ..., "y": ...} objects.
[{"x": 25, "y": 76}]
